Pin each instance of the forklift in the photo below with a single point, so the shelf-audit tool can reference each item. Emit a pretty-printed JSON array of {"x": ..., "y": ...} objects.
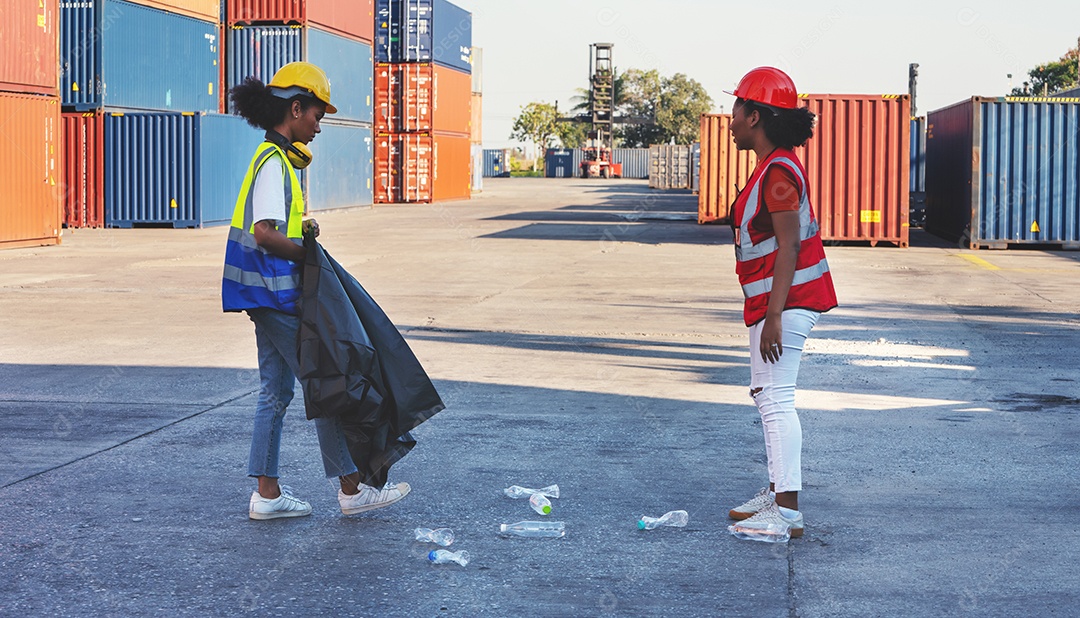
[{"x": 596, "y": 156}]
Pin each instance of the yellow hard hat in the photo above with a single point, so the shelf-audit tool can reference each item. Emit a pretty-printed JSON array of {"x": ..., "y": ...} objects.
[{"x": 302, "y": 78}]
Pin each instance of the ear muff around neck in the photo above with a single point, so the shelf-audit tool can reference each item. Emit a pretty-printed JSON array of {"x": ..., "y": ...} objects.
[{"x": 299, "y": 154}]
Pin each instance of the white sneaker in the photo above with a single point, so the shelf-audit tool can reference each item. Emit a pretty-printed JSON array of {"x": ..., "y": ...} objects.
[
  {"x": 747, "y": 509},
  {"x": 768, "y": 524},
  {"x": 369, "y": 498},
  {"x": 285, "y": 505}
]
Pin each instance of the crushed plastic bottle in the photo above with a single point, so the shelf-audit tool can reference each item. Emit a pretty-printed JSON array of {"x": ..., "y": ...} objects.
[
  {"x": 535, "y": 529},
  {"x": 442, "y": 536},
  {"x": 443, "y": 556},
  {"x": 515, "y": 491},
  {"x": 540, "y": 504},
  {"x": 773, "y": 533},
  {"x": 676, "y": 519}
]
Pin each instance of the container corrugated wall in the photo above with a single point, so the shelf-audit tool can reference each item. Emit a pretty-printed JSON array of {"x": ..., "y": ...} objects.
[
  {"x": 724, "y": 169},
  {"x": 918, "y": 154},
  {"x": 340, "y": 173},
  {"x": 83, "y": 169},
  {"x": 423, "y": 31},
  {"x": 559, "y": 163},
  {"x": 635, "y": 161},
  {"x": 259, "y": 51},
  {"x": 145, "y": 58},
  {"x": 451, "y": 179},
  {"x": 206, "y": 10},
  {"x": 477, "y": 155},
  {"x": 30, "y": 213},
  {"x": 496, "y": 162},
  {"x": 422, "y": 97},
  {"x": 1003, "y": 171},
  {"x": 174, "y": 170},
  {"x": 695, "y": 166},
  {"x": 349, "y": 18},
  {"x": 29, "y": 31},
  {"x": 858, "y": 164},
  {"x": 669, "y": 167}
]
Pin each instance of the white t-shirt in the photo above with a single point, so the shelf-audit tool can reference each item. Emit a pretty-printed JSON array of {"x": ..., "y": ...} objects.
[{"x": 268, "y": 199}]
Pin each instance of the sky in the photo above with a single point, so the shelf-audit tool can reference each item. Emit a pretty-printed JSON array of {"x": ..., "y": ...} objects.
[{"x": 539, "y": 50}]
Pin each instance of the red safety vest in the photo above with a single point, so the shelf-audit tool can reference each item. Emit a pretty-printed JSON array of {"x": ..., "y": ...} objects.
[{"x": 755, "y": 247}]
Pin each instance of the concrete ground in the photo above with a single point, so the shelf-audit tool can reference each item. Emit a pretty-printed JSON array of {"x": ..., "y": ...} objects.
[{"x": 581, "y": 333}]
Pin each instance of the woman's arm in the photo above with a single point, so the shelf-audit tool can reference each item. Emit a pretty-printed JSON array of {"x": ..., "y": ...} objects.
[
  {"x": 788, "y": 240},
  {"x": 275, "y": 242}
]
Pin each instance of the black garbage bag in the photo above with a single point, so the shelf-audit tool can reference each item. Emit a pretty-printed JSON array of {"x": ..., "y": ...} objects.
[{"x": 355, "y": 366}]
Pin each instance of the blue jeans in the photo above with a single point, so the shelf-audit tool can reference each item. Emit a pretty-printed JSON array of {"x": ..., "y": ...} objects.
[{"x": 275, "y": 335}]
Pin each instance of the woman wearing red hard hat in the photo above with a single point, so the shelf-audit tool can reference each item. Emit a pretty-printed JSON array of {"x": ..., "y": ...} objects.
[{"x": 780, "y": 261}]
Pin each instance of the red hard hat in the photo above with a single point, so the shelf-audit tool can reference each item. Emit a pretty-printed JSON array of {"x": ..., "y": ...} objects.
[{"x": 770, "y": 86}]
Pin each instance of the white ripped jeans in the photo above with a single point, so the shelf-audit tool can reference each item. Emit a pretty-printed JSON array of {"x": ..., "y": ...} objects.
[{"x": 776, "y": 399}]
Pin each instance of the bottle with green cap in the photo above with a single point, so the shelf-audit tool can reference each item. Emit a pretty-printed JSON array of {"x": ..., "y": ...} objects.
[{"x": 540, "y": 503}]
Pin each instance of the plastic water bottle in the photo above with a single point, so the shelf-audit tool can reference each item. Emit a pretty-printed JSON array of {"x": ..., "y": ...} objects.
[
  {"x": 535, "y": 529},
  {"x": 675, "y": 519},
  {"x": 515, "y": 491},
  {"x": 442, "y": 536},
  {"x": 540, "y": 504},
  {"x": 443, "y": 556},
  {"x": 773, "y": 533}
]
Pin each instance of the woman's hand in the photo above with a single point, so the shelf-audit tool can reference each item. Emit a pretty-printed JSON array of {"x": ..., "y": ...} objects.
[
  {"x": 310, "y": 225},
  {"x": 772, "y": 346}
]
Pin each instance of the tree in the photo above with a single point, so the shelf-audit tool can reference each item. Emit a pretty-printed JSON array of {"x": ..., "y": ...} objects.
[
  {"x": 1051, "y": 77},
  {"x": 572, "y": 134},
  {"x": 537, "y": 123},
  {"x": 673, "y": 105}
]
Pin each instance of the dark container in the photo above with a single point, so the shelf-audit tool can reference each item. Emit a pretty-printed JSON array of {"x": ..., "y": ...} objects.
[
  {"x": 423, "y": 31},
  {"x": 496, "y": 162},
  {"x": 1004, "y": 171},
  {"x": 559, "y": 163}
]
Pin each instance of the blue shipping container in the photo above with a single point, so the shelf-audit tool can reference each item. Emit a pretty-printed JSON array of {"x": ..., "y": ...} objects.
[
  {"x": 477, "y": 153},
  {"x": 340, "y": 175},
  {"x": 559, "y": 163},
  {"x": 122, "y": 55},
  {"x": 918, "y": 154},
  {"x": 1003, "y": 171},
  {"x": 423, "y": 31},
  {"x": 174, "y": 170},
  {"x": 259, "y": 51},
  {"x": 496, "y": 162}
]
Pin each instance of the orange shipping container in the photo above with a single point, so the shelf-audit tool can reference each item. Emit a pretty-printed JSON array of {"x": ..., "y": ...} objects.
[
  {"x": 420, "y": 167},
  {"x": 477, "y": 108},
  {"x": 83, "y": 169},
  {"x": 857, "y": 164},
  {"x": 206, "y": 10},
  {"x": 354, "y": 19},
  {"x": 30, "y": 210},
  {"x": 422, "y": 97},
  {"x": 724, "y": 169},
  {"x": 29, "y": 46}
]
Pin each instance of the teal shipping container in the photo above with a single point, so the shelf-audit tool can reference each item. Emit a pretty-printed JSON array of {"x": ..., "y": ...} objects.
[
  {"x": 174, "y": 169},
  {"x": 1004, "y": 171},
  {"x": 341, "y": 169},
  {"x": 117, "y": 54},
  {"x": 259, "y": 51}
]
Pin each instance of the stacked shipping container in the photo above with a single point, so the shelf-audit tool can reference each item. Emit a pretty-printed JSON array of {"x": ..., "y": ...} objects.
[
  {"x": 423, "y": 94},
  {"x": 858, "y": 164},
  {"x": 476, "y": 120},
  {"x": 31, "y": 211},
  {"x": 337, "y": 35}
]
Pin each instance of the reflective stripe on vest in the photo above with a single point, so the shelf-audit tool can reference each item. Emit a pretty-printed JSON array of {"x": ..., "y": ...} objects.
[
  {"x": 252, "y": 277},
  {"x": 808, "y": 226},
  {"x": 805, "y": 275}
]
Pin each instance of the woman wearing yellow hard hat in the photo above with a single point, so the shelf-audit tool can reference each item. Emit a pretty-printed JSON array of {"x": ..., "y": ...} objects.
[
  {"x": 263, "y": 261},
  {"x": 780, "y": 261}
]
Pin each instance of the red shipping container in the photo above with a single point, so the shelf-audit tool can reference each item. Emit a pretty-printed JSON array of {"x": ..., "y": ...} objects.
[
  {"x": 422, "y": 97},
  {"x": 206, "y": 10},
  {"x": 83, "y": 169},
  {"x": 30, "y": 46},
  {"x": 354, "y": 19},
  {"x": 420, "y": 167},
  {"x": 30, "y": 211},
  {"x": 858, "y": 165}
]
